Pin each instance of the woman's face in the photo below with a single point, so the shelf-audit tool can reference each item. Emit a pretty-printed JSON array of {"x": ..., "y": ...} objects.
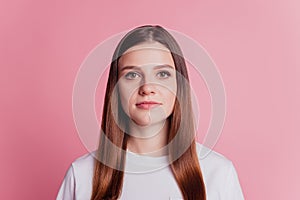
[{"x": 147, "y": 83}]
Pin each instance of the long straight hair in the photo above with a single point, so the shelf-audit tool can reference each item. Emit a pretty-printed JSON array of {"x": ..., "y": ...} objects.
[{"x": 108, "y": 181}]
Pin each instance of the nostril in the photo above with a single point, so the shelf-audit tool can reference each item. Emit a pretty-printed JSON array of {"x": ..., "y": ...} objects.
[{"x": 146, "y": 89}]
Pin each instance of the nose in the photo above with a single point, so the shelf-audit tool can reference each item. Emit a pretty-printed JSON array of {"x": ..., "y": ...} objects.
[{"x": 147, "y": 89}]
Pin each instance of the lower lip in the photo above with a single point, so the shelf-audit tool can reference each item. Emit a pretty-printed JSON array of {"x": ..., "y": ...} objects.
[{"x": 147, "y": 106}]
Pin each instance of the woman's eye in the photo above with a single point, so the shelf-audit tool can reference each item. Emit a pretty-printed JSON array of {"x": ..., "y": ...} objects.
[
  {"x": 131, "y": 75},
  {"x": 164, "y": 74}
]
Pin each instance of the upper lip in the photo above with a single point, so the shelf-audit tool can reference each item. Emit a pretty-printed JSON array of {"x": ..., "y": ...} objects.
[{"x": 147, "y": 102}]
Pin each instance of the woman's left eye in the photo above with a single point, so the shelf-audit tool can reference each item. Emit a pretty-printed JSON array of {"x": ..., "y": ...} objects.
[{"x": 163, "y": 74}]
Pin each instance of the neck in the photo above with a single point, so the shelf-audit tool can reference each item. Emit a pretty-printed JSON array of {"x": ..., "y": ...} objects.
[{"x": 149, "y": 140}]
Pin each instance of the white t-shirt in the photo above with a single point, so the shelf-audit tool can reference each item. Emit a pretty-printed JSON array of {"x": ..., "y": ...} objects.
[{"x": 220, "y": 178}]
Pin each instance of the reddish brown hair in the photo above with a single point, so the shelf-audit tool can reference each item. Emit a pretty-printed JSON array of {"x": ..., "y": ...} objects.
[{"x": 108, "y": 181}]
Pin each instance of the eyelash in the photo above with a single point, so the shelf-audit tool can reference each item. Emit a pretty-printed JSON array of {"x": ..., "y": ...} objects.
[
  {"x": 130, "y": 74},
  {"x": 165, "y": 72}
]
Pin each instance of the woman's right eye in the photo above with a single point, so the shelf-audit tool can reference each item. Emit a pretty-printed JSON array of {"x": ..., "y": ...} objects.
[{"x": 132, "y": 75}]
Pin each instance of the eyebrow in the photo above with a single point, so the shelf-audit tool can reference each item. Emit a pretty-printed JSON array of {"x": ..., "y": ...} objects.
[{"x": 156, "y": 67}]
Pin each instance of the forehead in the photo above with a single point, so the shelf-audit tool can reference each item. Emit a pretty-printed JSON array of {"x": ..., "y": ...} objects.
[{"x": 145, "y": 54}]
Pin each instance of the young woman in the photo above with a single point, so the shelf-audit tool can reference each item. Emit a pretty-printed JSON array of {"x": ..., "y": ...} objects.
[{"x": 147, "y": 148}]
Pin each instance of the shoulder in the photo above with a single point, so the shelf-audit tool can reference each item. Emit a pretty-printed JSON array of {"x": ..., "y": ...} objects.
[
  {"x": 219, "y": 175},
  {"x": 84, "y": 159},
  {"x": 83, "y": 165},
  {"x": 77, "y": 181},
  {"x": 209, "y": 156},
  {"x": 212, "y": 163}
]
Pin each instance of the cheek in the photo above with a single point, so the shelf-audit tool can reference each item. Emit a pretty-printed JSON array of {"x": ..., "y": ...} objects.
[
  {"x": 126, "y": 96},
  {"x": 170, "y": 98},
  {"x": 170, "y": 88}
]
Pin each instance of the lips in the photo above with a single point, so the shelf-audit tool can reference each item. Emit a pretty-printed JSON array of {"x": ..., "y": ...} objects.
[{"x": 146, "y": 105}]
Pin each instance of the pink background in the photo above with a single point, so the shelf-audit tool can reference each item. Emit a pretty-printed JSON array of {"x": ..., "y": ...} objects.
[{"x": 255, "y": 45}]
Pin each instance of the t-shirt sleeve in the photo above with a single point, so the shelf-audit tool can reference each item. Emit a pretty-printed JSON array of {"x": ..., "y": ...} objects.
[
  {"x": 67, "y": 188},
  {"x": 233, "y": 188}
]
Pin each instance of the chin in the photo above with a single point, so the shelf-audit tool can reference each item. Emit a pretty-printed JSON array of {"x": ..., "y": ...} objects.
[
  {"x": 142, "y": 122},
  {"x": 150, "y": 122}
]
